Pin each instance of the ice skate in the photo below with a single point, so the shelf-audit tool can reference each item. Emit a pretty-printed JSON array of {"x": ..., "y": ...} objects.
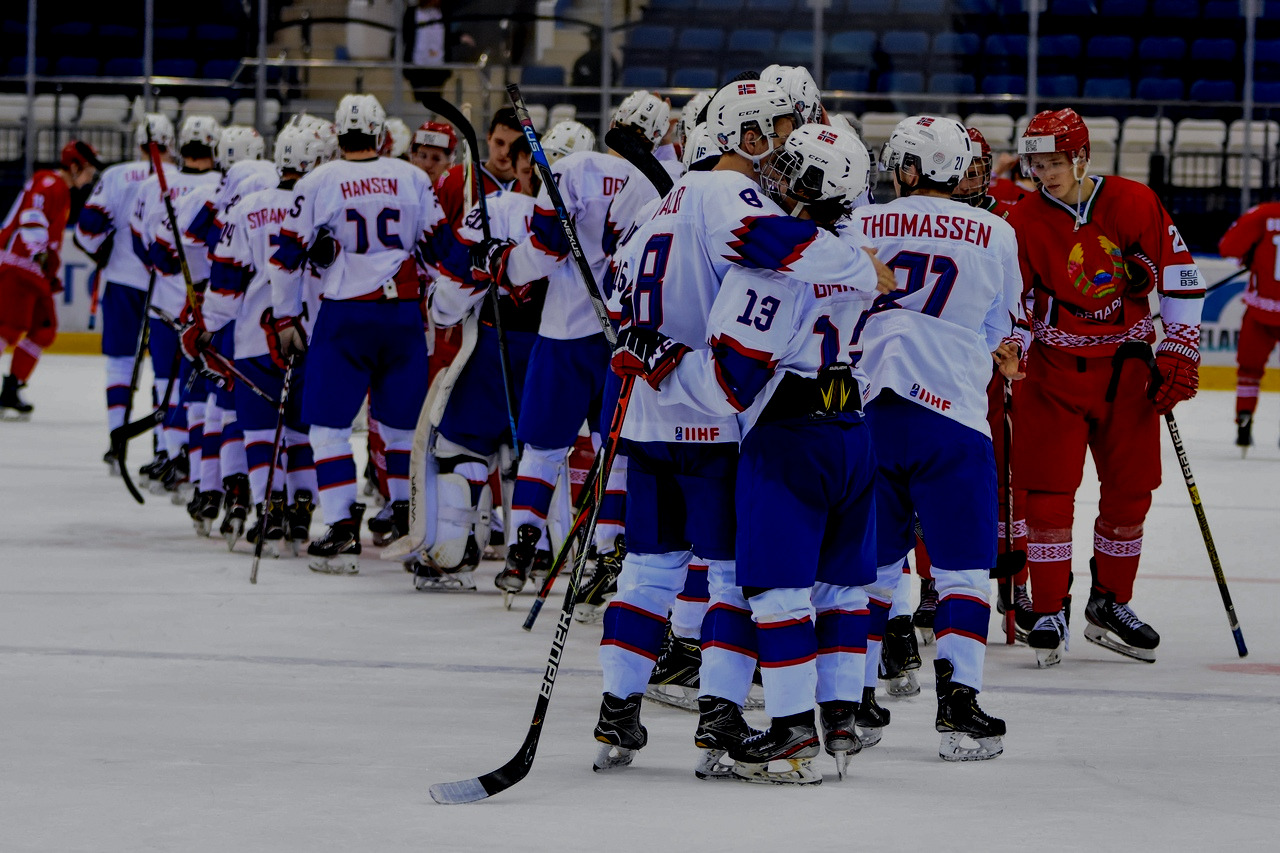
[
  {"x": 338, "y": 551},
  {"x": 13, "y": 407},
  {"x": 172, "y": 474},
  {"x": 519, "y": 558},
  {"x": 427, "y": 578},
  {"x": 269, "y": 525},
  {"x": 542, "y": 561},
  {"x": 674, "y": 680},
  {"x": 603, "y": 586},
  {"x": 1116, "y": 627},
  {"x": 923, "y": 617},
  {"x": 206, "y": 511},
  {"x": 152, "y": 469},
  {"x": 720, "y": 727},
  {"x": 1024, "y": 617},
  {"x": 839, "y": 737},
  {"x": 391, "y": 522},
  {"x": 1244, "y": 432},
  {"x": 619, "y": 731},
  {"x": 871, "y": 718},
  {"x": 960, "y": 719},
  {"x": 1050, "y": 638},
  {"x": 112, "y": 462},
  {"x": 791, "y": 741},
  {"x": 237, "y": 508},
  {"x": 900, "y": 658},
  {"x": 297, "y": 517}
]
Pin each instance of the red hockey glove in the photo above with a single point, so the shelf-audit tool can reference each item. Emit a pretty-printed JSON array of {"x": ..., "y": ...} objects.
[
  {"x": 1141, "y": 272},
  {"x": 193, "y": 339},
  {"x": 646, "y": 353},
  {"x": 216, "y": 368},
  {"x": 285, "y": 337},
  {"x": 489, "y": 261},
  {"x": 1179, "y": 366}
]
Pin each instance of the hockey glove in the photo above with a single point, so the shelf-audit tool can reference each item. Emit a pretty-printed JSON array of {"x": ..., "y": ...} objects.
[
  {"x": 1179, "y": 366},
  {"x": 489, "y": 261},
  {"x": 324, "y": 252},
  {"x": 215, "y": 367},
  {"x": 193, "y": 339},
  {"x": 1140, "y": 270},
  {"x": 646, "y": 353},
  {"x": 285, "y": 337}
]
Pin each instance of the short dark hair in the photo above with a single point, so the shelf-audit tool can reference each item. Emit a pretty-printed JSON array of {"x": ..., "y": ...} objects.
[
  {"x": 354, "y": 140},
  {"x": 506, "y": 117},
  {"x": 520, "y": 146}
]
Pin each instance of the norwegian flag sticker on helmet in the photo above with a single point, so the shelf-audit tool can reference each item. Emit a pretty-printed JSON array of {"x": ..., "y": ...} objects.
[
  {"x": 827, "y": 137},
  {"x": 746, "y": 88},
  {"x": 925, "y": 121}
]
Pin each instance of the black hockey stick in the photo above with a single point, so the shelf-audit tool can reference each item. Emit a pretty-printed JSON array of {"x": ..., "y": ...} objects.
[
  {"x": 123, "y": 434},
  {"x": 1005, "y": 585},
  {"x": 497, "y": 781},
  {"x": 562, "y": 214},
  {"x": 285, "y": 387},
  {"x": 1142, "y": 351},
  {"x": 633, "y": 150}
]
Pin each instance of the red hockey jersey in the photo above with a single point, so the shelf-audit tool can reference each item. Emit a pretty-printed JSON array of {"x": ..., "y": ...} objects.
[
  {"x": 1254, "y": 239},
  {"x": 31, "y": 236},
  {"x": 1079, "y": 294},
  {"x": 451, "y": 192}
]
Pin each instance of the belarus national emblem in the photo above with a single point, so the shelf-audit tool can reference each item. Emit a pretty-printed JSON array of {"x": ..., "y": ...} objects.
[{"x": 1109, "y": 270}]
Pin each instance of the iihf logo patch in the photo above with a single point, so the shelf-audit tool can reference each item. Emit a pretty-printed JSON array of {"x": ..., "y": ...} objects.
[
  {"x": 827, "y": 137},
  {"x": 746, "y": 88},
  {"x": 679, "y": 433},
  {"x": 939, "y": 158},
  {"x": 723, "y": 139}
]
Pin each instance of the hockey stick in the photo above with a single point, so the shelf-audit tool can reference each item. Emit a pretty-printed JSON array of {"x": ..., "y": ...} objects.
[
  {"x": 285, "y": 387},
  {"x": 562, "y": 214},
  {"x": 192, "y": 299},
  {"x": 122, "y": 435},
  {"x": 634, "y": 152},
  {"x": 1141, "y": 350},
  {"x": 170, "y": 321},
  {"x": 497, "y": 781},
  {"x": 1005, "y": 585}
]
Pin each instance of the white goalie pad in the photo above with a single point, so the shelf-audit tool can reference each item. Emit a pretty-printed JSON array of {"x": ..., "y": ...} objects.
[{"x": 457, "y": 521}]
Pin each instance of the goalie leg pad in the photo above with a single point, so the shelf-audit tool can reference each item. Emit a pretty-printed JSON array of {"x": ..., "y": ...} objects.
[{"x": 464, "y": 504}]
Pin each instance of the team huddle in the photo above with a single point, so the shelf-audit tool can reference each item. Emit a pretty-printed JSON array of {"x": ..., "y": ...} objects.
[{"x": 812, "y": 386}]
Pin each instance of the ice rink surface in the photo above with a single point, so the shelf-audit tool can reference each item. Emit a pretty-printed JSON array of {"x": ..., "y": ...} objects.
[{"x": 154, "y": 700}]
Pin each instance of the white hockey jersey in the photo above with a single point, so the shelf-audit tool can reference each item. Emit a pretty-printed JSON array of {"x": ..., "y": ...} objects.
[
  {"x": 671, "y": 268},
  {"x": 588, "y": 181},
  {"x": 931, "y": 342},
  {"x": 107, "y": 213},
  {"x": 242, "y": 178},
  {"x": 381, "y": 212},
  {"x": 154, "y": 235}
]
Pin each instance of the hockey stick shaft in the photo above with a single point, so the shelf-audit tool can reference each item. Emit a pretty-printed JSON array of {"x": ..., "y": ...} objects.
[
  {"x": 192, "y": 298},
  {"x": 562, "y": 214},
  {"x": 497, "y": 781},
  {"x": 122, "y": 435},
  {"x": 285, "y": 387},
  {"x": 1005, "y": 585}
]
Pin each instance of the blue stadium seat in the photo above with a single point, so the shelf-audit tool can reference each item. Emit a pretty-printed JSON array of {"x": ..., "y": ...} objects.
[
  {"x": 1221, "y": 9},
  {"x": 542, "y": 75},
  {"x": 172, "y": 34},
  {"x": 70, "y": 29},
  {"x": 952, "y": 84},
  {"x": 694, "y": 78},
  {"x": 644, "y": 77},
  {"x": 932, "y": 8},
  {"x": 174, "y": 68},
  {"x": 122, "y": 66},
  {"x": 771, "y": 7},
  {"x": 1268, "y": 50},
  {"x": 222, "y": 69},
  {"x": 18, "y": 65},
  {"x": 849, "y": 81},
  {"x": 1162, "y": 48},
  {"x": 955, "y": 44},
  {"x": 904, "y": 82},
  {"x": 1123, "y": 8},
  {"x": 975, "y": 7},
  {"x": 76, "y": 66},
  {"x": 719, "y": 7},
  {"x": 1165, "y": 9},
  {"x": 750, "y": 45},
  {"x": 852, "y": 48},
  {"x": 1212, "y": 90},
  {"x": 1006, "y": 45},
  {"x": 901, "y": 44},
  {"x": 700, "y": 40},
  {"x": 224, "y": 33},
  {"x": 118, "y": 32},
  {"x": 1072, "y": 8},
  {"x": 1213, "y": 50},
  {"x": 1110, "y": 47},
  {"x": 1107, "y": 87},
  {"x": 1058, "y": 86},
  {"x": 1060, "y": 47},
  {"x": 666, "y": 11},
  {"x": 1266, "y": 92},
  {"x": 1004, "y": 84},
  {"x": 1160, "y": 89},
  {"x": 650, "y": 37},
  {"x": 861, "y": 8},
  {"x": 795, "y": 47}
]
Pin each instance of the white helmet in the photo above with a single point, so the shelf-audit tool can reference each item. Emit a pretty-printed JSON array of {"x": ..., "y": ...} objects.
[
  {"x": 304, "y": 143},
  {"x": 797, "y": 82},
  {"x": 161, "y": 130},
  {"x": 398, "y": 138},
  {"x": 689, "y": 114},
  {"x": 697, "y": 146},
  {"x": 202, "y": 130},
  {"x": 938, "y": 148},
  {"x": 748, "y": 105},
  {"x": 819, "y": 163},
  {"x": 647, "y": 113},
  {"x": 360, "y": 114},
  {"x": 239, "y": 142},
  {"x": 566, "y": 138}
]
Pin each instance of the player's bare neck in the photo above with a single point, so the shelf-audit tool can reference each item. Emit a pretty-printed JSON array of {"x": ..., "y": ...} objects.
[
  {"x": 733, "y": 162},
  {"x": 360, "y": 156}
]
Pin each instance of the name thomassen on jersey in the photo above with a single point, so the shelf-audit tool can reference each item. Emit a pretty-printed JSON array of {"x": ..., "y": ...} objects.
[{"x": 937, "y": 225}]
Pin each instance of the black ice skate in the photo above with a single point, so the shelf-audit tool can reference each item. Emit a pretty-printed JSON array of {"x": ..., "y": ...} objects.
[
  {"x": 959, "y": 717},
  {"x": 172, "y": 475},
  {"x": 207, "y": 505},
  {"x": 1050, "y": 636},
  {"x": 603, "y": 586},
  {"x": 721, "y": 726},
  {"x": 900, "y": 658},
  {"x": 1024, "y": 616},
  {"x": 871, "y": 719},
  {"x": 13, "y": 407},
  {"x": 338, "y": 551},
  {"x": 153, "y": 468},
  {"x": 923, "y": 617},
  {"x": 519, "y": 558},
  {"x": 297, "y": 518},
  {"x": 428, "y": 578},
  {"x": 391, "y": 522},
  {"x": 237, "y": 508},
  {"x": 542, "y": 562},
  {"x": 1116, "y": 627},
  {"x": 1244, "y": 432},
  {"x": 792, "y": 741},
  {"x": 619, "y": 732},
  {"x": 269, "y": 525},
  {"x": 674, "y": 680},
  {"x": 839, "y": 738},
  {"x": 111, "y": 461}
]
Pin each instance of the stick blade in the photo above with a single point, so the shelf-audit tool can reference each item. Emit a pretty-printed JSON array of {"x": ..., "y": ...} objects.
[{"x": 457, "y": 793}]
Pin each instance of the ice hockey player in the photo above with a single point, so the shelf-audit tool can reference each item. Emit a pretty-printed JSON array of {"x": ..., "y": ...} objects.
[
  {"x": 569, "y": 362},
  {"x": 1252, "y": 240},
  {"x": 928, "y": 352},
  {"x": 683, "y": 463},
  {"x": 797, "y": 82},
  {"x": 470, "y": 410},
  {"x": 102, "y": 231},
  {"x": 1092, "y": 249},
  {"x": 30, "y": 260},
  {"x": 368, "y": 336},
  {"x": 432, "y": 149},
  {"x": 396, "y": 139},
  {"x": 778, "y": 357},
  {"x": 496, "y": 173}
]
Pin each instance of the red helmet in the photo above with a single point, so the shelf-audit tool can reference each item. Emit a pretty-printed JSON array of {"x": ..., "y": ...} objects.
[
  {"x": 436, "y": 134},
  {"x": 1049, "y": 131},
  {"x": 972, "y": 188},
  {"x": 80, "y": 153},
  {"x": 980, "y": 140}
]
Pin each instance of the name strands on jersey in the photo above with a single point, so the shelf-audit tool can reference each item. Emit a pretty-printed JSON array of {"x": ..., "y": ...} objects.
[{"x": 936, "y": 225}]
